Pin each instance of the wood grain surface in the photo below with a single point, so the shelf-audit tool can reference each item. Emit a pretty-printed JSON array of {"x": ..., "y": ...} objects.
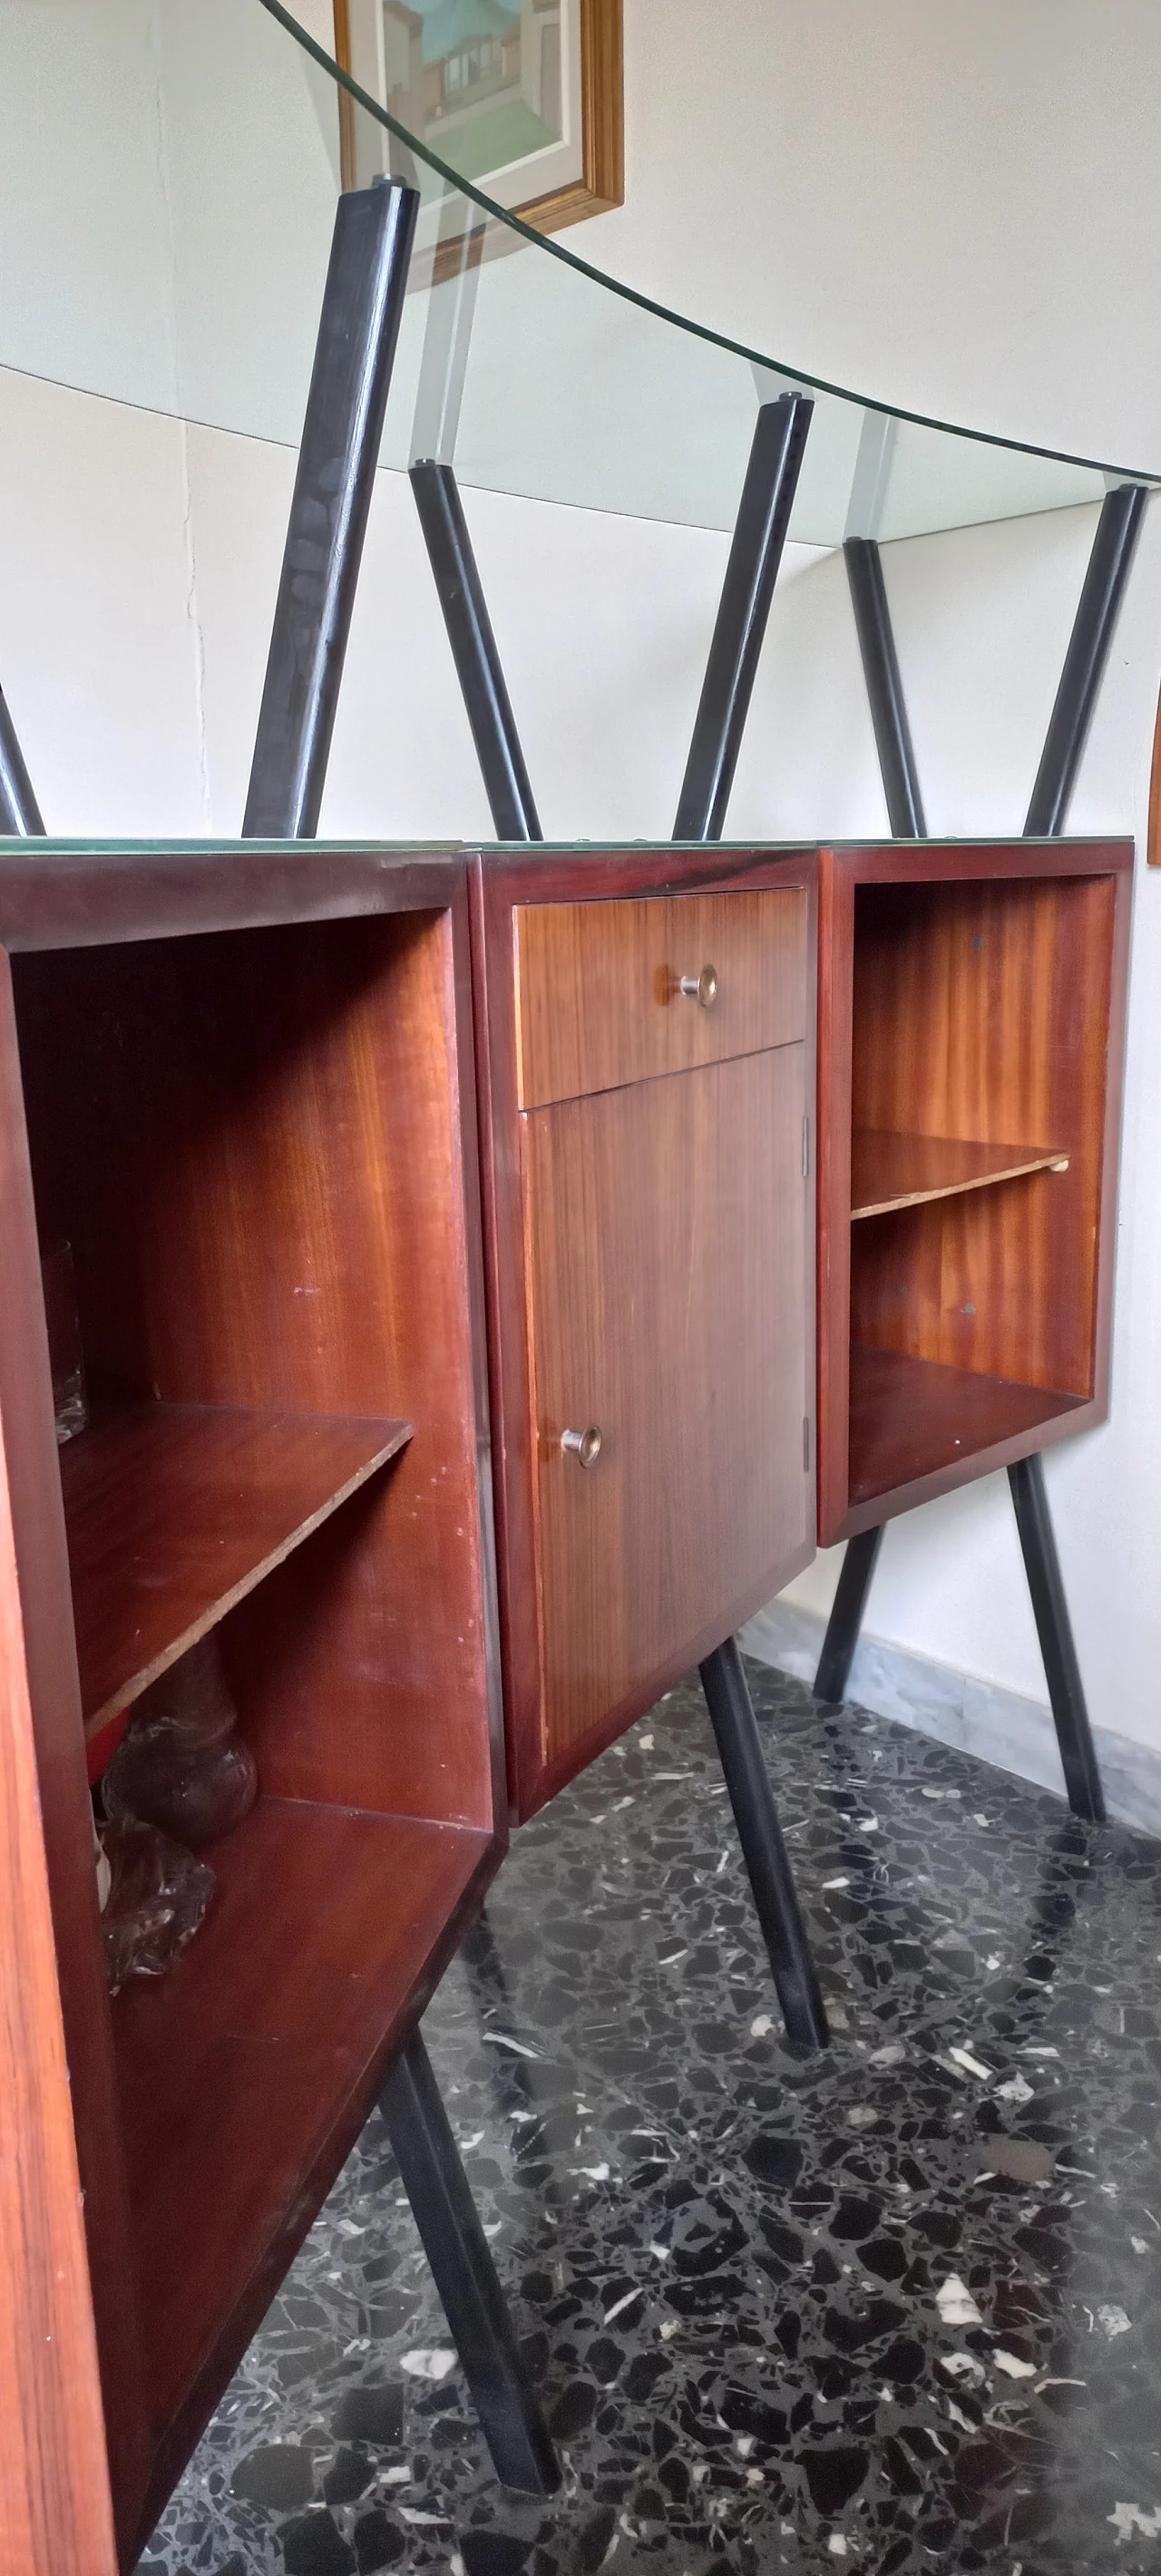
[
  {"x": 599, "y": 987},
  {"x": 261, "y": 1149},
  {"x": 253, "y": 1144},
  {"x": 46, "y": 1669},
  {"x": 665, "y": 1245},
  {"x": 54, "y": 896},
  {"x": 970, "y": 998},
  {"x": 502, "y": 881},
  {"x": 911, "y": 1417},
  {"x": 175, "y": 1511},
  {"x": 889, "y": 1172},
  {"x": 983, "y": 1011},
  {"x": 55, "y": 2505},
  {"x": 245, "y": 2074}
]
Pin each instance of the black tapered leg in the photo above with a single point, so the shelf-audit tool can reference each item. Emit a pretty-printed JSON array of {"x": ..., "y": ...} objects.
[
  {"x": 465, "y": 2276},
  {"x": 19, "y": 811},
  {"x": 846, "y": 1618},
  {"x": 1113, "y": 548},
  {"x": 1054, "y": 1629},
  {"x": 884, "y": 689},
  {"x": 751, "y": 572},
  {"x": 760, "y": 1834},
  {"x": 474, "y": 651},
  {"x": 358, "y": 331}
]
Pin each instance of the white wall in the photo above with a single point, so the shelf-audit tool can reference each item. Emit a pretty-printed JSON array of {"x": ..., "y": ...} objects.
[{"x": 952, "y": 204}]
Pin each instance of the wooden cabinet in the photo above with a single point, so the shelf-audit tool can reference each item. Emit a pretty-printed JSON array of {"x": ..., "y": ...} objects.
[
  {"x": 240, "y": 1087},
  {"x": 971, "y": 1034},
  {"x": 649, "y": 1087}
]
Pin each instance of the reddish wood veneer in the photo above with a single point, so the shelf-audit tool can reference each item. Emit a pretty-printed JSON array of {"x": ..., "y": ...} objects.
[
  {"x": 968, "y": 997},
  {"x": 260, "y": 1145},
  {"x": 632, "y": 1252}
]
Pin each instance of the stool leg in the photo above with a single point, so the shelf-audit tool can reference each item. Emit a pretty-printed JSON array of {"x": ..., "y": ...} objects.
[
  {"x": 1054, "y": 1629},
  {"x": 846, "y": 1618},
  {"x": 465, "y": 2275},
  {"x": 760, "y": 1834}
]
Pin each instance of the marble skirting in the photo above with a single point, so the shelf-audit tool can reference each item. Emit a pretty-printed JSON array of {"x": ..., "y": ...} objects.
[{"x": 954, "y": 1708}]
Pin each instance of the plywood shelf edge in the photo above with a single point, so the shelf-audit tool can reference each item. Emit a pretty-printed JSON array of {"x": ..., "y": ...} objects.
[
  {"x": 175, "y": 1512},
  {"x": 891, "y": 1171}
]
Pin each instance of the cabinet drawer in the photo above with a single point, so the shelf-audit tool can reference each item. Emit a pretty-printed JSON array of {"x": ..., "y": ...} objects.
[{"x": 599, "y": 987}]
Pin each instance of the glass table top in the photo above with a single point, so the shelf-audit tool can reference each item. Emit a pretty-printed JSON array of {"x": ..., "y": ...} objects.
[{"x": 167, "y": 197}]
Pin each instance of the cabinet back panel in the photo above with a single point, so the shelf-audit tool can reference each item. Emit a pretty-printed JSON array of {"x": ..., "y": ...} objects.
[
  {"x": 981, "y": 1010},
  {"x": 251, "y": 1141}
]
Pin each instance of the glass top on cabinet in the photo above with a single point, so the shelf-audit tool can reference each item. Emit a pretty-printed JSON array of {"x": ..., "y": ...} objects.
[{"x": 167, "y": 197}]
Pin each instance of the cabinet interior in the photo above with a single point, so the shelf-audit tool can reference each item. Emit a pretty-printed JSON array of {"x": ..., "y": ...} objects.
[
  {"x": 979, "y": 1043},
  {"x": 250, "y": 1143}
]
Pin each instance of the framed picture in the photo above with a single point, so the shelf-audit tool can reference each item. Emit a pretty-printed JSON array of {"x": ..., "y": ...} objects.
[{"x": 525, "y": 98}]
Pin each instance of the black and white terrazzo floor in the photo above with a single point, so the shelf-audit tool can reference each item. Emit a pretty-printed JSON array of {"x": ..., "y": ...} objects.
[{"x": 892, "y": 2309}]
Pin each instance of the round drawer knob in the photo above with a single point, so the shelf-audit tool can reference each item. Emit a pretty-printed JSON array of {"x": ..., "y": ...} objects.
[
  {"x": 585, "y": 1445},
  {"x": 702, "y": 988}
]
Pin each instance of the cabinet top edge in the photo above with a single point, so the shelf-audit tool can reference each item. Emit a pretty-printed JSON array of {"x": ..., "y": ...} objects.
[{"x": 59, "y": 894}]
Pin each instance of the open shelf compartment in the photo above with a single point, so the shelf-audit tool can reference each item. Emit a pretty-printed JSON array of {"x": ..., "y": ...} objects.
[
  {"x": 250, "y": 1142},
  {"x": 964, "y": 1270}
]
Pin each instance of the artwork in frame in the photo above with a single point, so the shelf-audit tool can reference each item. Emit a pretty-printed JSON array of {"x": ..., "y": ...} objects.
[{"x": 523, "y": 98}]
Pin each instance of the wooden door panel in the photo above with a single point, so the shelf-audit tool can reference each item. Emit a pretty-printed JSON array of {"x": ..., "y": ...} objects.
[
  {"x": 599, "y": 998},
  {"x": 667, "y": 1267}
]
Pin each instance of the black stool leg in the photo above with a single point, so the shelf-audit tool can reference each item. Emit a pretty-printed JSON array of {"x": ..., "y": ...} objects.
[
  {"x": 1054, "y": 1629},
  {"x": 465, "y": 2276},
  {"x": 846, "y": 1618},
  {"x": 760, "y": 1834}
]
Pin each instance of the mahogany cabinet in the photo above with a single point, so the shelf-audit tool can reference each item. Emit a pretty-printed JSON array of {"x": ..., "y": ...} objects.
[
  {"x": 240, "y": 1087},
  {"x": 645, "y": 1026},
  {"x": 971, "y": 1037}
]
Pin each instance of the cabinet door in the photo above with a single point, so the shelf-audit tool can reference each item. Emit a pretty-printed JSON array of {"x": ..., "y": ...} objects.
[{"x": 667, "y": 1259}]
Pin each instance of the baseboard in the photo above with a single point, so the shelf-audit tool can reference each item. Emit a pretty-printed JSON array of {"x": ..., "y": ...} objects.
[{"x": 976, "y": 1717}]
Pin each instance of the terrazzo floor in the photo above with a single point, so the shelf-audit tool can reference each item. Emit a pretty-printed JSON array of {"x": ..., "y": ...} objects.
[{"x": 894, "y": 2308}]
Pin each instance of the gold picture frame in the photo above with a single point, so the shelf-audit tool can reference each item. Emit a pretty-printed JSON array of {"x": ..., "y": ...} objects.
[{"x": 601, "y": 182}]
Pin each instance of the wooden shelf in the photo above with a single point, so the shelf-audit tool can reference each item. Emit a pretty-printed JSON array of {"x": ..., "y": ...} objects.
[
  {"x": 175, "y": 1511},
  {"x": 244, "y": 2075},
  {"x": 890, "y": 1171},
  {"x": 911, "y": 1417}
]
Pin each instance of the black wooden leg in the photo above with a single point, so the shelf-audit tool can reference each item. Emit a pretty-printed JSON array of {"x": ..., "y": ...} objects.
[
  {"x": 465, "y": 2276},
  {"x": 756, "y": 1816},
  {"x": 19, "y": 811},
  {"x": 755, "y": 554},
  {"x": 1054, "y": 1629},
  {"x": 885, "y": 689},
  {"x": 363, "y": 302},
  {"x": 846, "y": 1618}
]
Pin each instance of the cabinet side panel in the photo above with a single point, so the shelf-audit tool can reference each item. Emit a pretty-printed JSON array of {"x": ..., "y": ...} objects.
[
  {"x": 833, "y": 1157},
  {"x": 666, "y": 1234},
  {"x": 55, "y": 2506},
  {"x": 41, "y": 1693}
]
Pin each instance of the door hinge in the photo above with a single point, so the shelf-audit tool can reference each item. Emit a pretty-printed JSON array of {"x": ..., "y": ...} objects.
[
  {"x": 806, "y": 1442},
  {"x": 806, "y": 1149}
]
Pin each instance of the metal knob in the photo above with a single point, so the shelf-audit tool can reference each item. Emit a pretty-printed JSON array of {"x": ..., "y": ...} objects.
[
  {"x": 585, "y": 1445},
  {"x": 702, "y": 988}
]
